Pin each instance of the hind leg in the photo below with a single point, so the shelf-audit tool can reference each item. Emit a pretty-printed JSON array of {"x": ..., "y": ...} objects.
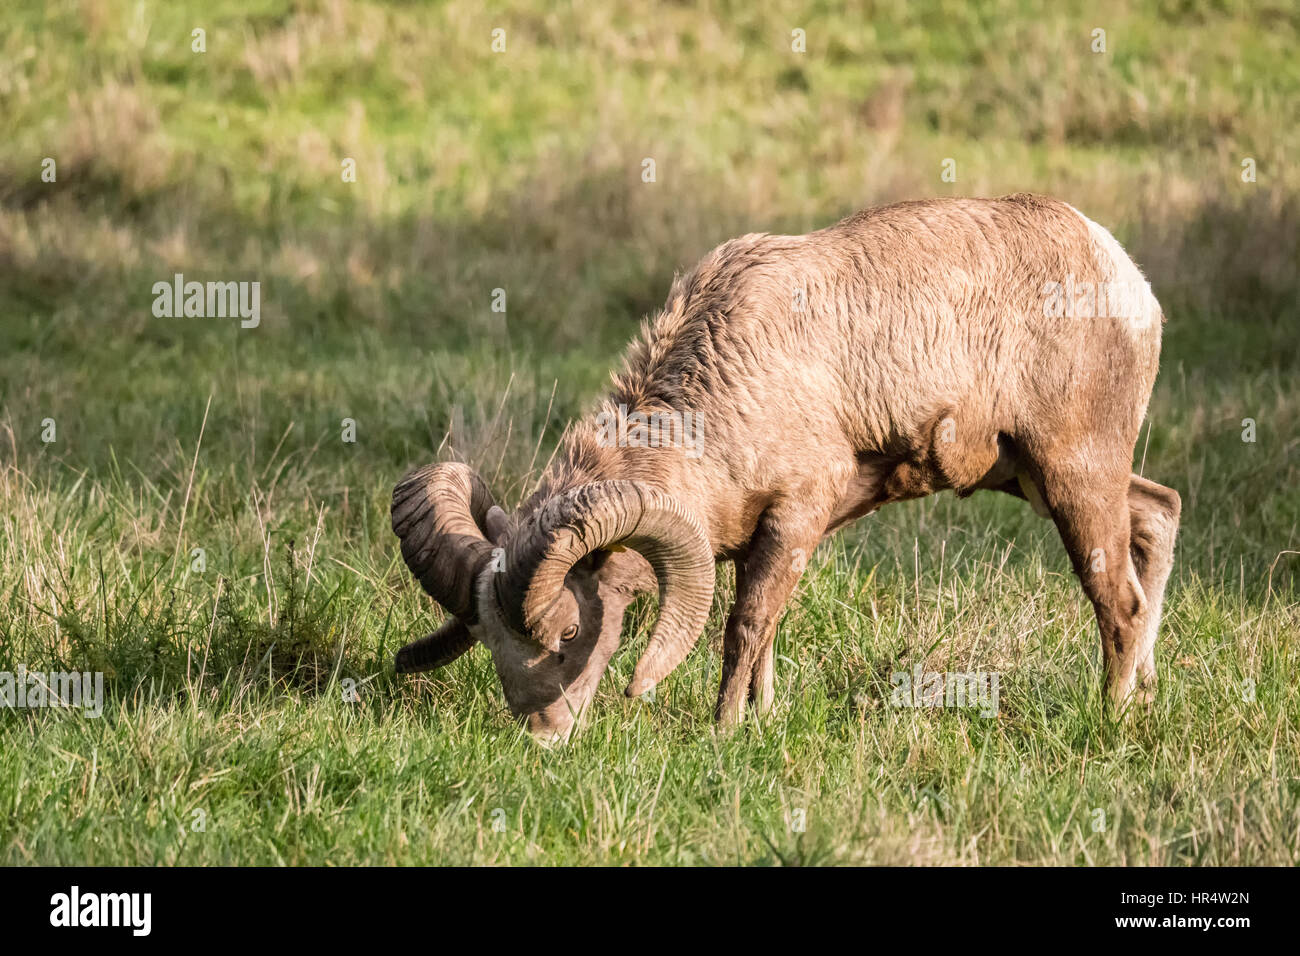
[
  {"x": 1153, "y": 519},
  {"x": 1091, "y": 512}
]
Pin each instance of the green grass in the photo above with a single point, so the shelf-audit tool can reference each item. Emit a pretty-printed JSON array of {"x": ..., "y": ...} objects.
[{"x": 522, "y": 171}]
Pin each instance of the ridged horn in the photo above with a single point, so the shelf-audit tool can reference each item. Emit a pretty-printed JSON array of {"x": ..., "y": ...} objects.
[
  {"x": 440, "y": 513},
  {"x": 605, "y": 514}
]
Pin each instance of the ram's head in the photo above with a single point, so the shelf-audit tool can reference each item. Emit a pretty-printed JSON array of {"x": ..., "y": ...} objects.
[{"x": 546, "y": 591}]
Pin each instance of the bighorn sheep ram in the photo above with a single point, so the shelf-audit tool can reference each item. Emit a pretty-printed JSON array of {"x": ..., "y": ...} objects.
[{"x": 963, "y": 344}]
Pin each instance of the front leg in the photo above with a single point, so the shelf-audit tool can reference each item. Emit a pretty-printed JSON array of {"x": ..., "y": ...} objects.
[
  {"x": 762, "y": 683},
  {"x": 765, "y": 577}
]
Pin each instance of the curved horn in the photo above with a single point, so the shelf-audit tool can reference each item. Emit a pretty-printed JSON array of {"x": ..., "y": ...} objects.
[
  {"x": 440, "y": 648},
  {"x": 439, "y": 513},
  {"x": 600, "y": 515},
  {"x": 443, "y": 646}
]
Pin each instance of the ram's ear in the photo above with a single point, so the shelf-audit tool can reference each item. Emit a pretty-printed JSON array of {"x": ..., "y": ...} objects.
[{"x": 627, "y": 571}]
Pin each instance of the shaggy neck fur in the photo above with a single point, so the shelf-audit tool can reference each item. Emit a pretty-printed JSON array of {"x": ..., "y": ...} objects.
[{"x": 585, "y": 455}]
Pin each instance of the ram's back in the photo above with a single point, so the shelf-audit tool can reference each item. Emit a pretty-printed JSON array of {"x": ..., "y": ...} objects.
[{"x": 865, "y": 332}]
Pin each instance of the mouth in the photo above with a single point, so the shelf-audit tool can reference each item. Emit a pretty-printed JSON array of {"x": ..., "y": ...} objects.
[
  {"x": 553, "y": 739},
  {"x": 569, "y": 713},
  {"x": 551, "y": 733}
]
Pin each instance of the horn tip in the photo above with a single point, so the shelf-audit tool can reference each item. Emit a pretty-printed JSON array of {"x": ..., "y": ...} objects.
[{"x": 402, "y": 662}]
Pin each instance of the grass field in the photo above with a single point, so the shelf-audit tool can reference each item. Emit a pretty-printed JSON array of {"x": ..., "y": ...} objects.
[{"x": 226, "y": 736}]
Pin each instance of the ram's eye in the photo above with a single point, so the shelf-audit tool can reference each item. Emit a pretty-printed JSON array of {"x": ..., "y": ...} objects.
[{"x": 570, "y": 633}]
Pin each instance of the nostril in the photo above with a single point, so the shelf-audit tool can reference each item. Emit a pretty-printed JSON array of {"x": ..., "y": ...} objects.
[{"x": 560, "y": 658}]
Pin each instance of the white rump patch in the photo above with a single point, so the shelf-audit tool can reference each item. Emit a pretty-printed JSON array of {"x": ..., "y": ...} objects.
[{"x": 1128, "y": 293}]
